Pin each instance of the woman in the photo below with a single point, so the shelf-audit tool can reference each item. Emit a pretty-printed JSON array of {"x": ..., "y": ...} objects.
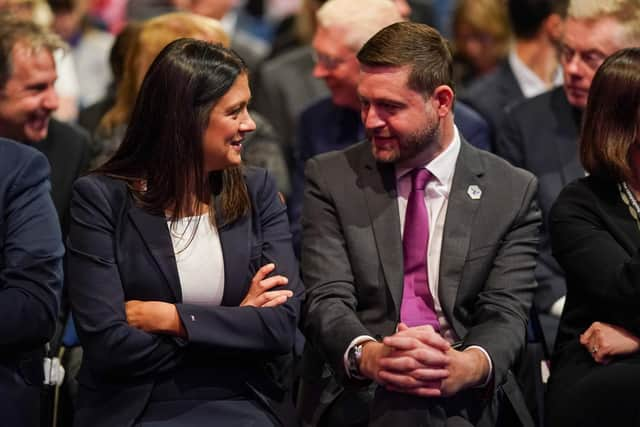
[
  {"x": 481, "y": 35},
  {"x": 144, "y": 44},
  {"x": 182, "y": 280},
  {"x": 595, "y": 232},
  {"x": 262, "y": 148}
]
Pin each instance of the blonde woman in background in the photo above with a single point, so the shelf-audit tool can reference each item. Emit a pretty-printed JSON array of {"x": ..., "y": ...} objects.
[{"x": 481, "y": 37}]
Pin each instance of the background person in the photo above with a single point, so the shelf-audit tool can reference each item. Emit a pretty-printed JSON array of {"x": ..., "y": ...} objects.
[
  {"x": 595, "y": 235},
  {"x": 31, "y": 253}
]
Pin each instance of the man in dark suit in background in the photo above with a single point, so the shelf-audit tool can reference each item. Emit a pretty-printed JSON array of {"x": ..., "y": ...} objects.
[
  {"x": 418, "y": 256},
  {"x": 30, "y": 279},
  {"x": 27, "y": 100},
  {"x": 333, "y": 123},
  {"x": 533, "y": 64},
  {"x": 541, "y": 134}
]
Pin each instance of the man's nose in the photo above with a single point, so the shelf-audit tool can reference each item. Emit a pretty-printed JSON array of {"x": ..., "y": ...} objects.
[{"x": 51, "y": 101}]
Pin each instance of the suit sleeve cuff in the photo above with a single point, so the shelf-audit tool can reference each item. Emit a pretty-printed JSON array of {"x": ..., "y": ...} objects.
[
  {"x": 357, "y": 340},
  {"x": 490, "y": 373}
]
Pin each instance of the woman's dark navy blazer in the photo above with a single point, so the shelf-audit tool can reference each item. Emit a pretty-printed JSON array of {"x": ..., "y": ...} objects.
[{"x": 117, "y": 252}]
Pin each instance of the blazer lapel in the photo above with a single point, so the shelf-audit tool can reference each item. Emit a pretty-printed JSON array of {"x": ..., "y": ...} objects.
[
  {"x": 155, "y": 234},
  {"x": 458, "y": 227},
  {"x": 235, "y": 239},
  {"x": 380, "y": 193}
]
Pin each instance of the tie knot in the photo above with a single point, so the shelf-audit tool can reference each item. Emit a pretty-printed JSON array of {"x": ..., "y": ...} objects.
[{"x": 419, "y": 178}]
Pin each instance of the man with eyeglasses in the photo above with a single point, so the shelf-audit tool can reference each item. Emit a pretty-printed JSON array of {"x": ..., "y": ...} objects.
[
  {"x": 333, "y": 123},
  {"x": 541, "y": 133}
]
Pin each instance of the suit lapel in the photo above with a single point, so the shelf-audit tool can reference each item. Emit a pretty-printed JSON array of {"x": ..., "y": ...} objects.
[
  {"x": 458, "y": 227},
  {"x": 155, "y": 234},
  {"x": 235, "y": 239},
  {"x": 382, "y": 207}
]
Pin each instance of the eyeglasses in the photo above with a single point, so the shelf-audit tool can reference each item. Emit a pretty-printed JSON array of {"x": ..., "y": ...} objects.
[
  {"x": 591, "y": 58},
  {"x": 327, "y": 61}
]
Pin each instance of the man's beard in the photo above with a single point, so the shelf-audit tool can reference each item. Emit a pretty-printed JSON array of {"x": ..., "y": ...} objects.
[{"x": 414, "y": 144}]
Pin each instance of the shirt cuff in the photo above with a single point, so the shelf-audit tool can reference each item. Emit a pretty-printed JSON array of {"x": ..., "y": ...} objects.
[
  {"x": 490, "y": 374},
  {"x": 357, "y": 340},
  {"x": 557, "y": 307}
]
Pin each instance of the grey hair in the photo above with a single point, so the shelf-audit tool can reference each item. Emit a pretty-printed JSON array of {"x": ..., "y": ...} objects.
[{"x": 358, "y": 20}]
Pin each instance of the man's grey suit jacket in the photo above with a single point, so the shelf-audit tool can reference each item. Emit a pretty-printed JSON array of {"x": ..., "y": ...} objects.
[{"x": 353, "y": 267}]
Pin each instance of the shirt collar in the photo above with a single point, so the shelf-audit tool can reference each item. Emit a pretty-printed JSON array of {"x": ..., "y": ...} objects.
[
  {"x": 443, "y": 165},
  {"x": 529, "y": 82}
]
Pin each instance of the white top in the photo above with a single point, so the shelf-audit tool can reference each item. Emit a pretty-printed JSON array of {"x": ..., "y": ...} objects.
[
  {"x": 530, "y": 83},
  {"x": 199, "y": 258}
]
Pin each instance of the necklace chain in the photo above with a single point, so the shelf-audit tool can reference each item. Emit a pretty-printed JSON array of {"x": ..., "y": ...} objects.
[{"x": 630, "y": 200}]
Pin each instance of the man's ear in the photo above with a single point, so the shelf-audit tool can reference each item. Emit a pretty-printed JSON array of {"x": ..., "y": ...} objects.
[{"x": 443, "y": 97}]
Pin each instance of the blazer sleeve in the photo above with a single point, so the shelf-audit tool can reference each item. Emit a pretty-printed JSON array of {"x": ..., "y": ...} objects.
[
  {"x": 111, "y": 346},
  {"x": 31, "y": 259},
  {"x": 502, "y": 306},
  {"x": 589, "y": 253},
  {"x": 269, "y": 329},
  {"x": 330, "y": 319}
]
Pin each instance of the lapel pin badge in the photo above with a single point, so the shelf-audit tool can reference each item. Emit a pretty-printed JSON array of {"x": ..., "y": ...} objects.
[{"x": 474, "y": 192}]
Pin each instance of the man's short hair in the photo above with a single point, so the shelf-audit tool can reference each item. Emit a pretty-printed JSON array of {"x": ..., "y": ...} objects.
[
  {"x": 527, "y": 16},
  {"x": 358, "y": 20},
  {"x": 417, "y": 45},
  {"x": 626, "y": 12},
  {"x": 14, "y": 31}
]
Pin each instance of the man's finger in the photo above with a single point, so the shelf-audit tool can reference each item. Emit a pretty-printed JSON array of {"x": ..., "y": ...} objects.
[{"x": 423, "y": 357}]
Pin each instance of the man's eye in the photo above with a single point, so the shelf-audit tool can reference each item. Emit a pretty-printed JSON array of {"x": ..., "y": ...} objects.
[{"x": 37, "y": 88}]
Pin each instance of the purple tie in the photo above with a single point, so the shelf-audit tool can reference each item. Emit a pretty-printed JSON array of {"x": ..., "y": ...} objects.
[{"x": 417, "y": 303}]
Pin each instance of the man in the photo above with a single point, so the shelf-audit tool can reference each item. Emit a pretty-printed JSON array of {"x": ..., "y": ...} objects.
[
  {"x": 421, "y": 291},
  {"x": 27, "y": 100},
  {"x": 30, "y": 279},
  {"x": 334, "y": 122},
  {"x": 533, "y": 63},
  {"x": 541, "y": 134},
  {"x": 285, "y": 84}
]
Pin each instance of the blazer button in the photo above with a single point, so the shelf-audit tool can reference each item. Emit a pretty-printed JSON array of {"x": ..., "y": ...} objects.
[{"x": 193, "y": 317}]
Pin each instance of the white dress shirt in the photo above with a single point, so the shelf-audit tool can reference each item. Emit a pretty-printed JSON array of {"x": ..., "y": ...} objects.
[
  {"x": 436, "y": 198},
  {"x": 530, "y": 83}
]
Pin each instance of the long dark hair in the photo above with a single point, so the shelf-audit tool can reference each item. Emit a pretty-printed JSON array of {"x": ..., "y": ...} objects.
[
  {"x": 610, "y": 125},
  {"x": 162, "y": 146}
]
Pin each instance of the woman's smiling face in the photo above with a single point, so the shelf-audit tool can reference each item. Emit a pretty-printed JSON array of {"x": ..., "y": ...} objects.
[{"x": 229, "y": 120}]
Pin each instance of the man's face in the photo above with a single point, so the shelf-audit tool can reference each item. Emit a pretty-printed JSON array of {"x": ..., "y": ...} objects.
[
  {"x": 337, "y": 65},
  {"x": 28, "y": 98},
  {"x": 400, "y": 122},
  {"x": 586, "y": 44}
]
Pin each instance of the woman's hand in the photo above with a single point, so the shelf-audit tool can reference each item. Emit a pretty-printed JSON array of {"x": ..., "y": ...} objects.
[
  {"x": 154, "y": 317},
  {"x": 259, "y": 294},
  {"x": 604, "y": 341}
]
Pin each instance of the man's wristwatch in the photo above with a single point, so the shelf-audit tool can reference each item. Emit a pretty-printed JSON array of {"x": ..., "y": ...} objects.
[{"x": 353, "y": 359}]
